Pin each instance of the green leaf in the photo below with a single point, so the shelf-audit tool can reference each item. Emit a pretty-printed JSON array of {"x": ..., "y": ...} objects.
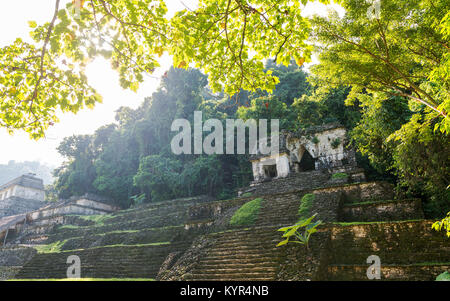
[
  {"x": 284, "y": 242},
  {"x": 32, "y": 24}
]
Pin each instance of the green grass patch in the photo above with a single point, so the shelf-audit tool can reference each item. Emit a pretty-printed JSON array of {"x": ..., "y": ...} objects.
[
  {"x": 69, "y": 227},
  {"x": 304, "y": 210},
  {"x": 50, "y": 248},
  {"x": 247, "y": 214},
  {"x": 56, "y": 247},
  {"x": 443, "y": 277},
  {"x": 339, "y": 175},
  {"x": 155, "y": 244},
  {"x": 97, "y": 219}
]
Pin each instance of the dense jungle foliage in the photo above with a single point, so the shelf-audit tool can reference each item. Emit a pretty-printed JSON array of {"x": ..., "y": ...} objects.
[{"x": 383, "y": 72}]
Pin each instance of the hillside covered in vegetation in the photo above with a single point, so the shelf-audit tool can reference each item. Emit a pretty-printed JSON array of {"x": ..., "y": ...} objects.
[{"x": 131, "y": 161}]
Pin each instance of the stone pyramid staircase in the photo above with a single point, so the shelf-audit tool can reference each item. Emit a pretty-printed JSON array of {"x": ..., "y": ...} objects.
[
  {"x": 393, "y": 229},
  {"x": 151, "y": 241},
  {"x": 127, "y": 244},
  {"x": 242, "y": 255}
]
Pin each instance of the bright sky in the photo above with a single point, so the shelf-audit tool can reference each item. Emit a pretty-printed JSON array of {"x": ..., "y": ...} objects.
[{"x": 14, "y": 16}]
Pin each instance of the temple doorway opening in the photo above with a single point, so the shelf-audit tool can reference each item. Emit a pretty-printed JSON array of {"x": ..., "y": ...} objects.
[
  {"x": 270, "y": 171},
  {"x": 307, "y": 163}
]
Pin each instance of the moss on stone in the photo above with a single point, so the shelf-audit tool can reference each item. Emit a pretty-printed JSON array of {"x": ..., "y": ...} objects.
[
  {"x": 98, "y": 219},
  {"x": 304, "y": 210},
  {"x": 247, "y": 214},
  {"x": 50, "y": 248},
  {"x": 69, "y": 227},
  {"x": 339, "y": 175}
]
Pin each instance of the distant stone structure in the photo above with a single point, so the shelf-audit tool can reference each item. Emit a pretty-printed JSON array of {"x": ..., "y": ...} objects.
[
  {"x": 23, "y": 194},
  {"x": 49, "y": 215},
  {"x": 316, "y": 148},
  {"x": 26, "y": 187}
]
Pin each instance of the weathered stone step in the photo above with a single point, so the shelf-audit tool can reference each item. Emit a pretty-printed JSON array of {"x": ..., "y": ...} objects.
[
  {"x": 143, "y": 224},
  {"x": 253, "y": 230},
  {"x": 249, "y": 237},
  {"x": 236, "y": 277},
  {"x": 393, "y": 210},
  {"x": 396, "y": 238},
  {"x": 412, "y": 272},
  {"x": 241, "y": 250},
  {"x": 240, "y": 257},
  {"x": 163, "y": 212},
  {"x": 276, "y": 213},
  {"x": 248, "y": 232},
  {"x": 126, "y": 238},
  {"x": 226, "y": 261},
  {"x": 305, "y": 180},
  {"x": 269, "y": 245},
  {"x": 164, "y": 205},
  {"x": 244, "y": 248},
  {"x": 200, "y": 278},
  {"x": 35, "y": 239},
  {"x": 232, "y": 271},
  {"x": 255, "y": 241},
  {"x": 393, "y": 257},
  {"x": 104, "y": 262},
  {"x": 208, "y": 265}
]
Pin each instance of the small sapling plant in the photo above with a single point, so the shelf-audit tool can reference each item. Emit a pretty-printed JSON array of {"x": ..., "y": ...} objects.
[{"x": 301, "y": 232}]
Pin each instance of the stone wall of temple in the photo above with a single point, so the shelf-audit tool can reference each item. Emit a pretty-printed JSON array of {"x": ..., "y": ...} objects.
[
  {"x": 317, "y": 148},
  {"x": 23, "y": 192},
  {"x": 16, "y": 205}
]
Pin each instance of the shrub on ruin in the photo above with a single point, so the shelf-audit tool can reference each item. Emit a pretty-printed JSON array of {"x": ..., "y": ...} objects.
[
  {"x": 304, "y": 209},
  {"x": 247, "y": 214},
  {"x": 443, "y": 277},
  {"x": 339, "y": 175},
  {"x": 443, "y": 225}
]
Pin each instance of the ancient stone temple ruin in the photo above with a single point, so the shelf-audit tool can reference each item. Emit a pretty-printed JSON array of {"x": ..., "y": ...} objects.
[
  {"x": 314, "y": 174},
  {"x": 23, "y": 194},
  {"x": 316, "y": 148}
]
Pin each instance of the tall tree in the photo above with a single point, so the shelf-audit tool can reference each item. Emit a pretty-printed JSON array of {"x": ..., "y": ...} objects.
[
  {"x": 396, "y": 52},
  {"x": 76, "y": 175}
]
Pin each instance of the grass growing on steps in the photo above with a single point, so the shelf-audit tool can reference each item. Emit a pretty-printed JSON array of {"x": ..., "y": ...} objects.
[
  {"x": 154, "y": 244},
  {"x": 50, "y": 248},
  {"x": 247, "y": 214},
  {"x": 339, "y": 175},
  {"x": 56, "y": 247},
  {"x": 69, "y": 227},
  {"x": 304, "y": 210},
  {"x": 97, "y": 219}
]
